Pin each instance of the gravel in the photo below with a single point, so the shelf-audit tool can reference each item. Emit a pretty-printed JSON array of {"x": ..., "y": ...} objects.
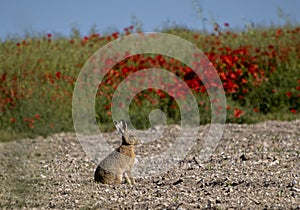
[{"x": 253, "y": 167}]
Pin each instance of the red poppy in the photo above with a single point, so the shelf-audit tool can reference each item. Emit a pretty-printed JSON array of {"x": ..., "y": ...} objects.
[
  {"x": 293, "y": 111},
  {"x": 58, "y": 74},
  {"x": 278, "y": 32},
  {"x": 288, "y": 94},
  {"x": 231, "y": 87},
  {"x": 244, "y": 80},
  {"x": 125, "y": 70},
  {"x": 31, "y": 125},
  {"x": 222, "y": 76},
  {"x": 85, "y": 39},
  {"x": 161, "y": 94},
  {"x": 226, "y": 24},
  {"x": 238, "y": 113},
  {"x": 3, "y": 77},
  {"x": 115, "y": 35},
  {"x": 232, "y": 75}
]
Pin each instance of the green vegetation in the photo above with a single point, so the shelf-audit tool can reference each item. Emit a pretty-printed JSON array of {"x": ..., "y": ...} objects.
[{"x": 259, "y": 68}]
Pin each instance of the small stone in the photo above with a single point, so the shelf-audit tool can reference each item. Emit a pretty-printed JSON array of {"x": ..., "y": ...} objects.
[
  {"x": 178, "y": 182},
  {"x": 243, "y": 157}
]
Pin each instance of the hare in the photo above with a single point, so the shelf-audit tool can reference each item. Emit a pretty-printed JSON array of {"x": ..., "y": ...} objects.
[{"x": 120, "y": 162}]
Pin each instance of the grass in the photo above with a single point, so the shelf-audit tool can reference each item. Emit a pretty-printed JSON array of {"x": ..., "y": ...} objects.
[{"x": 259, "y": 69}]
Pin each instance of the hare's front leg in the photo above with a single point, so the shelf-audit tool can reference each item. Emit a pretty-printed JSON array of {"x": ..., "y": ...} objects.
[{"x": 129, "y": 178}]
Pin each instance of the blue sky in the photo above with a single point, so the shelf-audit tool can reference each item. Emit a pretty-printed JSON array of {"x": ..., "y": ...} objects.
[{"x": 41, "y": 16}]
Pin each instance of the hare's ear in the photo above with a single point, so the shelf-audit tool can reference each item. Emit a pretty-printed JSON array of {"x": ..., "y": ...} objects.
[
  {"x": 124, "y": 125},
  {"x": 120, "y": 126}
]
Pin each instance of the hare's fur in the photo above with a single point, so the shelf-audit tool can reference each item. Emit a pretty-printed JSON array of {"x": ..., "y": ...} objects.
[{"x": 119, "y": 163}]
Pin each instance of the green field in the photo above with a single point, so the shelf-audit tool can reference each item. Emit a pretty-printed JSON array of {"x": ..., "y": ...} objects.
[{"x": 259, "y": 69}]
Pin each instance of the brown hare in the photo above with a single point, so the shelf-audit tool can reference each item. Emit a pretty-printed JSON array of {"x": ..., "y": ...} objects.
[{"x": 119, "y": 163}]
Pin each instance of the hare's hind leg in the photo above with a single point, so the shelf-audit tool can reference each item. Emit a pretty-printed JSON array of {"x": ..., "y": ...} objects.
[{"x": 117, "y": 179}]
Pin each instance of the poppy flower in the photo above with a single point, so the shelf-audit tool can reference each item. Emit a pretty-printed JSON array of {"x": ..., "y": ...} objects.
[
  {"x": 255, "y": 109},
  {"x": 226, "y": 24},
  {"x": 238, "y": 113},
  {"x": 288, "y": 94},
  {"x": 31, "y": 125},
  {"x": 115, "y": 35},
  {"x": 58, "y": 74},
  {"x": 85, "y": 39},
  {"x": 3, "y": 77}
]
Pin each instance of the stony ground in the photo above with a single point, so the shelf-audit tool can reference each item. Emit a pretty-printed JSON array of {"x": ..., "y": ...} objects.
[{"x": 254, "y": 166}]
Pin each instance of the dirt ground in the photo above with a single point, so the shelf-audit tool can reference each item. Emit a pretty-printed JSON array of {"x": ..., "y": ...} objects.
[{"x": 253, "y": 167}]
